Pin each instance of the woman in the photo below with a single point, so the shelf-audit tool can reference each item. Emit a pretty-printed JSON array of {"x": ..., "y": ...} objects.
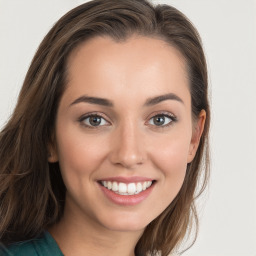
[{"x": 104, "y": 150}]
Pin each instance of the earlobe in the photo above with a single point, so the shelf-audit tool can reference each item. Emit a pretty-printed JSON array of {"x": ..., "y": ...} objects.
[
  {"x": 52, "y": 158},
  {"x": 52, "y": 154},
  {"x": 197, "y": 133}
]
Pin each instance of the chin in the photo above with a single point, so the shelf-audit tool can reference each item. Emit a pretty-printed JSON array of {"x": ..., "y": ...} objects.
[{"x": 126, "y": 223}]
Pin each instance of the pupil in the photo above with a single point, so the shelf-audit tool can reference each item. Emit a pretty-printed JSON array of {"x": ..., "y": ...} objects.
[
  {"x": 159, "y": 120},
  {"x": 95, "y": 120}
]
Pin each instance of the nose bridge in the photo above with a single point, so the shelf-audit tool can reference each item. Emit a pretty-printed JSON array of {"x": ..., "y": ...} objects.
[{"x": 128, "y": 149}]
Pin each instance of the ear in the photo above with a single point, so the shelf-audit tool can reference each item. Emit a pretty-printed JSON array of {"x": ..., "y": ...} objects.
[
  {"x": 52, "y": 153},
  {"x": 196, "y": 135}
]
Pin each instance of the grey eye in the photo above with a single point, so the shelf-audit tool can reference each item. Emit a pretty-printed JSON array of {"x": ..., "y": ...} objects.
[
  {"x": 94, "y": 121},
  {"x": 160, "y": 120}
]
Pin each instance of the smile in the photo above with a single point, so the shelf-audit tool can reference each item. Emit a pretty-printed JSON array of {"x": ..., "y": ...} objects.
[{"x": 121, "y": 188}]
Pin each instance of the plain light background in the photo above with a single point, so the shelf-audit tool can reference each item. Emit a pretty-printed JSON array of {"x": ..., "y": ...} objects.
[{"x": 228, "y": 30}]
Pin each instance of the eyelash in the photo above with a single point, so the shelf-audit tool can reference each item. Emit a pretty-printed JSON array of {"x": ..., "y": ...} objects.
[
  {"x": 161, "y": 114},
  {"x": 172, "y": 118},
  {"x": 84, "y": 117}
]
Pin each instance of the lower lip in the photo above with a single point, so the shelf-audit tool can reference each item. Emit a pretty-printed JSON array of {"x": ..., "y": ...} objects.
[{"x": 127, "y": 200}]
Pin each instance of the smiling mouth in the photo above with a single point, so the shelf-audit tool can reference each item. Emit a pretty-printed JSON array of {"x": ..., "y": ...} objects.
[{"x": 128, "y": 189}]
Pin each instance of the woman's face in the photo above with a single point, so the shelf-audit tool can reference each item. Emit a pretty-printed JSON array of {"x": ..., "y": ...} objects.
[{"x": 124, "y": 131}]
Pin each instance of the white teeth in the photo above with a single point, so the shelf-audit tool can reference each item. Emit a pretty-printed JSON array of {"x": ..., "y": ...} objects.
[
  {"x": 115, "y": 186},
  {"x": 139, "y": 187},
  {"x": 126, "y": 189},
  {"x": 131, "y": 188},
  {"x": 109, "y": 184},
  {"x": 122, "y": 188}
]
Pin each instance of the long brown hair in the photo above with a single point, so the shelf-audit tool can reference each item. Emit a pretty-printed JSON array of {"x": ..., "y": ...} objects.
[{"x": 32, "y": 193}]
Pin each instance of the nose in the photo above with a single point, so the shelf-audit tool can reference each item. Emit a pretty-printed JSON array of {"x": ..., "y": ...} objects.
[{"x": 127, "y": 147}]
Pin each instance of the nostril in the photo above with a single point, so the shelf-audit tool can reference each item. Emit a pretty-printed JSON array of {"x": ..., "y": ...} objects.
[{"x": 127, "y": 161}]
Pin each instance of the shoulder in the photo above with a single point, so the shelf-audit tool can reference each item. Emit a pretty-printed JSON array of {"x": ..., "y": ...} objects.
[
  {"x": 21, "y": 249},
  {"x": 44, "y": 245}
]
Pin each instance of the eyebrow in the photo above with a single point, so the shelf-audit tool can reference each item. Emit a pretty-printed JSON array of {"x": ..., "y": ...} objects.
[
  {"x": 158, "y": 99},
  {"x": 93, "y": 100},
  {"x": 108, "y": 103}
]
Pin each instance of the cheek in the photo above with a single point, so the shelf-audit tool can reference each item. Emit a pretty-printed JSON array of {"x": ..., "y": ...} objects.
[
  {"x": 78, "y": 156},
  {"x": 172, "y": 151},
  {"x": 171, "y": 160}
]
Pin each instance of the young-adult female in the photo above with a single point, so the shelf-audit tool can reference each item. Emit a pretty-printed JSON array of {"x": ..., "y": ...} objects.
[{"x": 105, "y": 148}]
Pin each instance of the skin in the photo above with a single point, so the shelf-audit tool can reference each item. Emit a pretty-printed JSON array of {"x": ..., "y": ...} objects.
[{"x": 127, "y": 142}]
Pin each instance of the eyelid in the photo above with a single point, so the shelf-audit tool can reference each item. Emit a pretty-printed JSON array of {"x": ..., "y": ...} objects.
[
  {"x": 90, "y": 114},
  {"x": 163, "y": 113},
  {"x": 99, "y": 114},
  {"x": 166, "y": 114}
]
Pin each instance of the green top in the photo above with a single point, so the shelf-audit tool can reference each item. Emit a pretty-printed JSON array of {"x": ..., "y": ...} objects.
[{"x": 44, "y": 245}]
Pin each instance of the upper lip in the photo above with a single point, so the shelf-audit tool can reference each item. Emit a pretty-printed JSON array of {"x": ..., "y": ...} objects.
[{"x": 127, "y": 179}]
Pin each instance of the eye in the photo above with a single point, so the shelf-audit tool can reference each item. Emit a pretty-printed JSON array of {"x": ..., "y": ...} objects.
[
  {"x": 162, "y": 120},
  {"x": 93, "y": 120}
]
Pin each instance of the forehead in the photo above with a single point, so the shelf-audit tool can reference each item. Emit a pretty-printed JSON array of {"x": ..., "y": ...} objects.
[
  {"x": 142, "y": 49},
  {"x": 139, "y": 65}
]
